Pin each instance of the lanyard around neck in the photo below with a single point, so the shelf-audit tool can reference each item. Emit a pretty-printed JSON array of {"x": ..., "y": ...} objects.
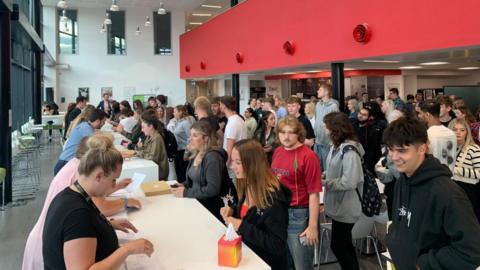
[{"x": 89, "y": 201}]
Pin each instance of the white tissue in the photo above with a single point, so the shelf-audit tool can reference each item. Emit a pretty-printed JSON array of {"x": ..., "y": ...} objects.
[{"x": 231, "y": 234}]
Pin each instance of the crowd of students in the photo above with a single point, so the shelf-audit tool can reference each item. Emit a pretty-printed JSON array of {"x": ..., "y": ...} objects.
[{"x": 274, "y": 161}]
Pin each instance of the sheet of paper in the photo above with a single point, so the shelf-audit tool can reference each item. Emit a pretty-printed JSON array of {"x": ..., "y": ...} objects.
[
  {"x": 137, "y": 179},
  {"x": 120, "y": 193}
]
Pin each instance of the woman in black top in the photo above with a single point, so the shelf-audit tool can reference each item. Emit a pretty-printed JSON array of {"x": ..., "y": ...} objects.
[
  {"x": 266, "y": 135},
  {"x": 76, "y": 234},
  {"x": 207, "y": 177},
  {"x": 261, "y": 217}
]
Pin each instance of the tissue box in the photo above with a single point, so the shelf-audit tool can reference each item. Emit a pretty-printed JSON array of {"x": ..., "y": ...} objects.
[
  {"x": 229, "y": 252},
  {"x": 155, "y": 188}
]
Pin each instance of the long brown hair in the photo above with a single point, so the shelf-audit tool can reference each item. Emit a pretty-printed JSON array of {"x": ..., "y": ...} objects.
[
  {"x": 468, "y": 114},
  {"x": 260, "y": 182},
  {"x": 340, "y": 127},
  {"x": 83, "y": 116}
]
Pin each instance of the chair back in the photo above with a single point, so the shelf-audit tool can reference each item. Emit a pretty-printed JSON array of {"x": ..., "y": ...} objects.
[
  {"x": 3, "y": 174},
  {"x": 362, "y": 227}
]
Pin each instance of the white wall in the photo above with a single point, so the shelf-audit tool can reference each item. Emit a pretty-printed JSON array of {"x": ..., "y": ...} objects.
[
  {"x": 357, "y": 85},
  {"x": 394, "y": 81},
  {"x": 140, "y": 68},
  {"x": 411, "y": 84},
  {"x": 244, "y": 92},
  {"x": 49, "y": 37},
  {"x": 472, "y": 79}
]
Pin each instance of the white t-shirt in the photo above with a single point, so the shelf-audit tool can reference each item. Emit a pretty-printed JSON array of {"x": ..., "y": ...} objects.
[
  {"x": 235, "y": 129},
  {"x": 442, "y": 145},
  {"x": 128, "y": 124}
]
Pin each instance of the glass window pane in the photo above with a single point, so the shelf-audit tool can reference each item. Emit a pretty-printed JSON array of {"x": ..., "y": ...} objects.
[
  {"x": 68, "y": 32},
  {"x": 116, "y": 43},
  {"x": 162, "y": 33}
]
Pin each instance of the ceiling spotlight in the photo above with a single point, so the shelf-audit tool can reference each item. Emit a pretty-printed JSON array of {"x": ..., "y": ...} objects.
[
  {"x": 212, "y": 6},
  {"x": 147, "y": 22},
  {"x": 64, "y": 17},
  {"x": 195, "y": 23},
  {"x": 469, "y": 68},
  {"x": 201, "y": 14},
  {"x": 114, "y": 6},
  {"x": 411, "y": 67},
  {"x": 103, "y": 29},
  {"x": 433, "y": 63},
  {"x": 381, "y": 61},
  {"x": 62, "y": 4},
  {"x": 107, "y": 19},
  {"x": 161, "y": 10},
  {"x": 138, "y": 32}
]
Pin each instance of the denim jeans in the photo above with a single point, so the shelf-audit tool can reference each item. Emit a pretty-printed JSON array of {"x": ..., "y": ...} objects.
[
  {"x": 322, "y": 153},
  {"x": 59, "y": 166},
  {"x": 297, "y": 223}
]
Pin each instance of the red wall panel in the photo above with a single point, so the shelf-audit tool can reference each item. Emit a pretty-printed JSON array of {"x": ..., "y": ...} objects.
[{"x": 322, "y": 31}]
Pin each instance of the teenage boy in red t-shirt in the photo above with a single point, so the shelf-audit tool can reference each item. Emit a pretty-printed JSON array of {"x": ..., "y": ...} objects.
[{"x": 298, "y": 168}]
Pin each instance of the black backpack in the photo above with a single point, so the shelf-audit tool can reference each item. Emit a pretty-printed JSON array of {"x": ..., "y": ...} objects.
[
  {"x": 170, "y": 145},
  {"x": 371, "y": 200}
]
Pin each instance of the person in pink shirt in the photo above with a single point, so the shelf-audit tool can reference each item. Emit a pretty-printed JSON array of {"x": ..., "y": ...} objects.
[{"x": 32, "y": 257}]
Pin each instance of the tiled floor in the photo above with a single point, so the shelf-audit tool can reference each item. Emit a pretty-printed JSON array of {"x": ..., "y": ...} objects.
[{"x": 16, "y": 222}]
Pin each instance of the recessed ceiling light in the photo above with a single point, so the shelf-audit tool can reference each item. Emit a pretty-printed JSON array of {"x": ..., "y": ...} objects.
[
  {"x": 195, "y": 23},
  {"x": 212, "y": 6},
  {"x": 347, "y": 69},
  {"x": 434, "y": 63},
  {"x": 411, "y": 67},
  {"x": 381, "y": 61},
  {"x": 314, "y": 71},
  {"x": 469, "y": 68},
  {"x": 288, "y": 73},
  {"x": 201, "y": 14}
]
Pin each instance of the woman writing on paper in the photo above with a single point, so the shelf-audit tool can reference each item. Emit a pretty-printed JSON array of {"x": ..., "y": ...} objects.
[
  {"x": 76, "y": 235},
  {"x": 32, "y": 257},
  {"x": 261, "y": 216}
]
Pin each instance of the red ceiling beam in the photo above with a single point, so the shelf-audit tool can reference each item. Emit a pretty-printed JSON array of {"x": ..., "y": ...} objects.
[{"x": 278, "y": 34}]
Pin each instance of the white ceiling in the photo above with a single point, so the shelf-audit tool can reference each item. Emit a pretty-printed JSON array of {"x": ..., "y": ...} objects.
[{"x": 169, "y": 4}]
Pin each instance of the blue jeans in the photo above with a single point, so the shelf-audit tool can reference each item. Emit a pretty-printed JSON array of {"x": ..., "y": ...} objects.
[
  {"x": 322, "y": 153},
  {"x": 297, "y": 223},
  {"x": 59, "y": 166}
]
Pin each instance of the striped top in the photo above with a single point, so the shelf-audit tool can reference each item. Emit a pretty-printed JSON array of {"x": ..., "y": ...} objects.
[{"x": 467, "y": 166}]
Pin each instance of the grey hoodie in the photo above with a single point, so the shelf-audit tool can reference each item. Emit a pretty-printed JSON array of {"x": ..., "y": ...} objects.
[
  {"x": 323, "y": 108},
  {"x": 341, "y": 179}
]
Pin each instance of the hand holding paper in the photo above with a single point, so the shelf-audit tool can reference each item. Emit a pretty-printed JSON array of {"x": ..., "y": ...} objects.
[{"x": 137, "y": 179}]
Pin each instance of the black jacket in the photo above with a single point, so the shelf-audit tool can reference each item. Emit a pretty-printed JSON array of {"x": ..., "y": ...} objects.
[
  {"x": 265, "y": 231},
  {"x": 370, "y": 137},
  {"x": 214, "y": 182},
  {"x": 433, "y": 226}
]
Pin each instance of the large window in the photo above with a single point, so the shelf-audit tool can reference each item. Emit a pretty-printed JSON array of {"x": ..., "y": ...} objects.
[
  {"x": 67, "y": 32},
  {"x": 162, "y": 33},
  {"x": 116, "y": 34}
]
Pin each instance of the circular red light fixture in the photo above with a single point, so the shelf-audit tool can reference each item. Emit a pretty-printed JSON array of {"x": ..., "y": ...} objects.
[
  {"x": 203, "y": 65},
  {"x": 239, "y": 57},
  {"x": 289, "y": 47},
  {"x": 362, "y": 33},
  {"x": 187, "y": 68}
]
